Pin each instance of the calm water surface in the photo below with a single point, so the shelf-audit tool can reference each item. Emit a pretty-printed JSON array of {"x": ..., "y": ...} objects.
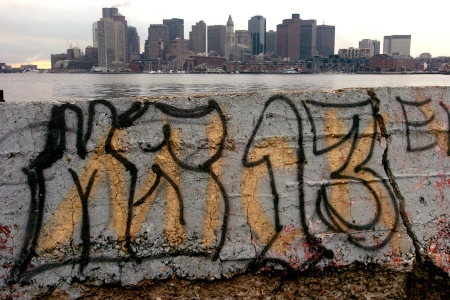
[{"x": 44, "y": 87}]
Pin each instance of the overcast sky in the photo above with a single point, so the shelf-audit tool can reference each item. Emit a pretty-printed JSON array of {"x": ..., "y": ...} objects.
[{"x": 31, "y": 30}]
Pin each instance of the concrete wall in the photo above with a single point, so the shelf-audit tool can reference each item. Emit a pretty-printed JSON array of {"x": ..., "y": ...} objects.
[{"x": 208, "y": 187}]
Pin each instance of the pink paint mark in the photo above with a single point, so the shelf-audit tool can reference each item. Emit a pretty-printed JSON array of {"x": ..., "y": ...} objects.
[
  {"x": 5, "y": 233},
  {"x": 442, "y": 185},
  {"x": 287, "y": 229}
]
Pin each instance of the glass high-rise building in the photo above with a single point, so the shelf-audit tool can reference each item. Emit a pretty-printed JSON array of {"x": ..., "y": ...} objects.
[{"x": 257, "y": 30}]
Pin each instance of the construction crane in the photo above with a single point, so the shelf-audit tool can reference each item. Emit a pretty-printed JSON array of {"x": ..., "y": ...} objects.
[{"x": 70, "y": 45}]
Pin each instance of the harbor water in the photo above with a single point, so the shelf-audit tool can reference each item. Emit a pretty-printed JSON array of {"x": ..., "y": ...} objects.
[{"x": 47, "y": 86}]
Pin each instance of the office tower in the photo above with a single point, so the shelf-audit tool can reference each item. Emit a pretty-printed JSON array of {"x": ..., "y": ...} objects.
[
  {"x": 111, "y": 42},
  {"x": 134, "y": 44},
  {"x": 257, "y": 30},
  {"x": 197, "y": 38},
  {"x": 157, "y": 43},
  {"x": 176, "y": 28},
  {"x": 120, "y": 18},
  {"x": 271, "y": 42},
  {"x": 216, "y": 39},
  {"x": 229, "y": 38},
  {"x": 288, "y": 38},
  {"x": 372, "y": 45},
  {"x": 325, "y": 40},
  {"x": 308, "y": 34},
  {"x": 397, "y": 44},
  {"x": 95, "y": 34},
  {"x": 109, "y": 12}
]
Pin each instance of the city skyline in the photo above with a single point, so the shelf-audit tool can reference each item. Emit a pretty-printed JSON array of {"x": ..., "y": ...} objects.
[{"x": 34, "y": 30}]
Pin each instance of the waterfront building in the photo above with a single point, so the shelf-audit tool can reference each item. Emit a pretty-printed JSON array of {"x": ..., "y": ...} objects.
[
  {"x": 216, "y": 39},
  {"x": 271, "y": 42},
  {"x": 372, "y": 45},
  {"x": 176, "y": 28},
  {"x": 354, "y": 53},
  {"x": 197, "y": 38},
  {"x": 91, "y": 54},
  {"x": 325, "y": 40},
  {"x": 308, "y": 36},
  {"x": 158, "y": 41},
  {"x": 54, "y": 58},
  {"x": 111, "y": 42},
  {"x": 288, "y": 38},
  {"x": 229, "y": 37},
  {"x": 134, "y": 44},
  {"x": 397, "y": 44},
  {"x": 257, "y": 30}
]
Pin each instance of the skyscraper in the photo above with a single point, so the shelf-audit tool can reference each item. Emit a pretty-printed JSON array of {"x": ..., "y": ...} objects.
[
  {"x": 158, "y": 41},
  {"x": 325, "y": 40},
  {"x": 197, "y": 38},
  {"x": 288, "y": 37},
  {"x": 216, "y": 39},
  {"x": 176, "y": 28},
  {"x": 257, "y": 30},
  {"x": 111, "y": 42},
  {"x": 120, "y": 18},
  {"x": 229, "y": 38},
  {"x": 308, "y": 35},
  {"x": 397, "y": 44}
]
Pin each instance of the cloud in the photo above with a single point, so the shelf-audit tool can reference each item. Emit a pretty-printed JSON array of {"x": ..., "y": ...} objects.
[
  {"x": 122, "y": 4},
  {"x": 33, "y": 58}
]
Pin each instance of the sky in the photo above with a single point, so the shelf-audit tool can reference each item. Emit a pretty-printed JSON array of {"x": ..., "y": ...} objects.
[{"x": 31, "y": 30}]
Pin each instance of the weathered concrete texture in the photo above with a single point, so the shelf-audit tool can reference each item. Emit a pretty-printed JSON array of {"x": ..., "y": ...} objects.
[{"x": 150, "y": 192}]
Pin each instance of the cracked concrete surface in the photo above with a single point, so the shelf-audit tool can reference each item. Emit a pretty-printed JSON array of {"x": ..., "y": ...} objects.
[{"x": 291, "y": 195}]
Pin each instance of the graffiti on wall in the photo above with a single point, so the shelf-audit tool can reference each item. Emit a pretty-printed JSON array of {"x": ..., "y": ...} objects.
[{"x": 88, "y": 147}]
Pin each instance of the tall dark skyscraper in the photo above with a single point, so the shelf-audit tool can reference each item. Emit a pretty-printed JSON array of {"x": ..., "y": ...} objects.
[
  {"x": 216, "y": 39},
  {"x": 308, "y": 35},
  {"x": 257, "y": 30},
  {"x": 176, "y": 28},
  {"x": 325, "y": 40},
  {"x": 197, "y": 37},
  {"x": 288, "y": 37}
]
